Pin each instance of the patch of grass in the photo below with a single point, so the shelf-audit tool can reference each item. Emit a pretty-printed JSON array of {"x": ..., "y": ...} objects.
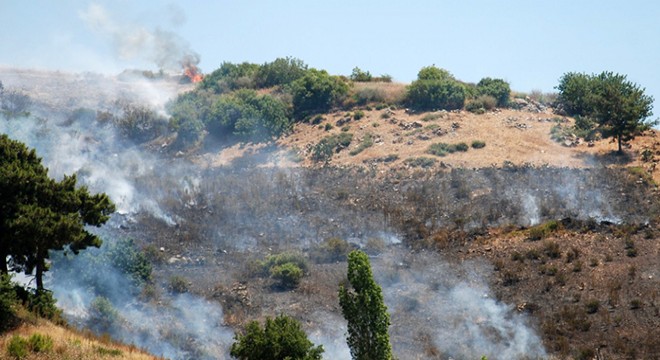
[
  {"x": 367, "y": 142},
  {"x": 642, "y": 174},
  {"x": 108, "y": 352},
  {"x": 40, "y": 343},
  {"x": 542, "y": 231},
  {"x": 431, "y": 117},
  {"x": 422, "y": 161},
  {"x": 442, "y": 149}
]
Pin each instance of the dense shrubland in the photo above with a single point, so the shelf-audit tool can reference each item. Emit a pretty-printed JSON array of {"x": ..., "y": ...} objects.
[{"x": 252, "y": 102}]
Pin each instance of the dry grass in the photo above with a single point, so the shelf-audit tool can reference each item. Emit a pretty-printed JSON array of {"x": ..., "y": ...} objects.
[
  {"x": 71, "y": 344},
  {"x": 392, "y": 92}
]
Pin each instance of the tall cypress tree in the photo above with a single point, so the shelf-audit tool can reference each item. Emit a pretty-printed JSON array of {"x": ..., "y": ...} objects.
[{"x": 363, "y": 307}]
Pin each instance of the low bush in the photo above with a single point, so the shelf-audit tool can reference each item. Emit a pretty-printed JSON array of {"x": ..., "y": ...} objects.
[
  {"x": 287, "y": 268},
  {"x": 331, "y": 250},
  {"x": 18, "y": 347},
  {"x": 8, "y": 302},
  {"x": 329, "y": 145},
  {"x": 288, "y": 275},
  {"x": 40, "y": 343},
  {"x": 542, "y": 231},
  {"x": 178, "y": 284},
  {"x": 478, "y": 144},
  {"x": 481, "y": 104},
  {"x": 442, "y": 149}
]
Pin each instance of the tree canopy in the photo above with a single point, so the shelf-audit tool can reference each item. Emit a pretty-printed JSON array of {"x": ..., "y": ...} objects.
[
  {"x": 619, "y": 107},
  {"x": 281, "y": 338},
  {"x": 363, "y": 307},
  {"x": 39, "y": 214}
]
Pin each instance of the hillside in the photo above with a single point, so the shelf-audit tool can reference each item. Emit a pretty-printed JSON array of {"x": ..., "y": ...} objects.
[{"x": 523, "y": 247}]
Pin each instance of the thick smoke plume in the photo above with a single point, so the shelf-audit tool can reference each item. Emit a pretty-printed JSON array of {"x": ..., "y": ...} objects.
[{"x": 165, "y": 49}]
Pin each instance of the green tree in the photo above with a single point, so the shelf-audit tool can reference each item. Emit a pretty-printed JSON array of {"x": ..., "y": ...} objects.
[
  {"x": 360, "y": 75},
  {"x": 620, "y": 107},
  {"x": 40, "y": 214},
  {"x": 363, "y": 307},
  {"x": 576, "y": 93},
  {"x": 281, "y": 338}
]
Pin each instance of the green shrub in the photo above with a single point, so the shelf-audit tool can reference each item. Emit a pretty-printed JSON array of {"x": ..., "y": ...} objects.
[
  {"x": 280, "y": 338},
  {"x": 359, "y": 114},
  {"x": 442, "y": 149},
  {"x": 139, "y": 123},
  {"x": 287, "y": 268},
  {"x": 478, "y": 144},
  {"x": 328, "y": 127},
  {"x": 178, "y": 284},
  {"x": 42, "y": 303},
  {"x": 435, "y": 95},
  {"x": 331, "y": 250},
  {"x": 102, "y": 314},
  {"x": 40, "y": 343},
  {"x": 288, "y": 275},
  {"x": 286, "y": 257},
  {"x": 317, "y": 92},
  {"x": 496, "y": 89},
  {"x": 127, "y": 258},
  {"x": 541, "y": 231},
  {"x": 18, "y": 347},
  {"x": 230, "y": 77},
  {"x": 8, "y": 302},
  {"x": 281, "y": 71},
  {"x": 329, "y": 145},
  {"x": 246, "y": 114}
]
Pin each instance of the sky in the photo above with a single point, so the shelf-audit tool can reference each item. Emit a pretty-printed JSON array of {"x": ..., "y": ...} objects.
[{"x": 528, "y": 43}]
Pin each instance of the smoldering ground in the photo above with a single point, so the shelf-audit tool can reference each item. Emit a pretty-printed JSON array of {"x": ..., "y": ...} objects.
[{"x": 219, "y": 219}]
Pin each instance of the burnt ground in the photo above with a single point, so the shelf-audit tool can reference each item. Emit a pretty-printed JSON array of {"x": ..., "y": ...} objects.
[{"x": 587, "y": 283}]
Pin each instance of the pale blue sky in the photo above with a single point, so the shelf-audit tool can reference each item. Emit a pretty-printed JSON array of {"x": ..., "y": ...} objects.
[{"x": 528, "y": 43}]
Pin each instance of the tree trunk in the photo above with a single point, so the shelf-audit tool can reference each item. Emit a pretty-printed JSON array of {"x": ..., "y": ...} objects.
[
  {"x": 3, "y": 264},
  {"x": 40, "y": 274},
  {"x": 619, "y": 140}
]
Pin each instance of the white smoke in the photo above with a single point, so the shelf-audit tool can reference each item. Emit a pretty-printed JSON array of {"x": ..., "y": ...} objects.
[
  {"x": 453, "y": 307},
  {"x": 131, "y": 41}
]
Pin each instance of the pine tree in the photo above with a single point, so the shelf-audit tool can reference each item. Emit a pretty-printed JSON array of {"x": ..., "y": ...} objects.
[
  {"x": 363, "y": 307},
  {"x": 40, "y": 214}
]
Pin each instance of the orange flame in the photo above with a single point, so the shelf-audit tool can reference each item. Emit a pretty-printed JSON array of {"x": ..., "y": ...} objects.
[{"x": 193, "y": 73}]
